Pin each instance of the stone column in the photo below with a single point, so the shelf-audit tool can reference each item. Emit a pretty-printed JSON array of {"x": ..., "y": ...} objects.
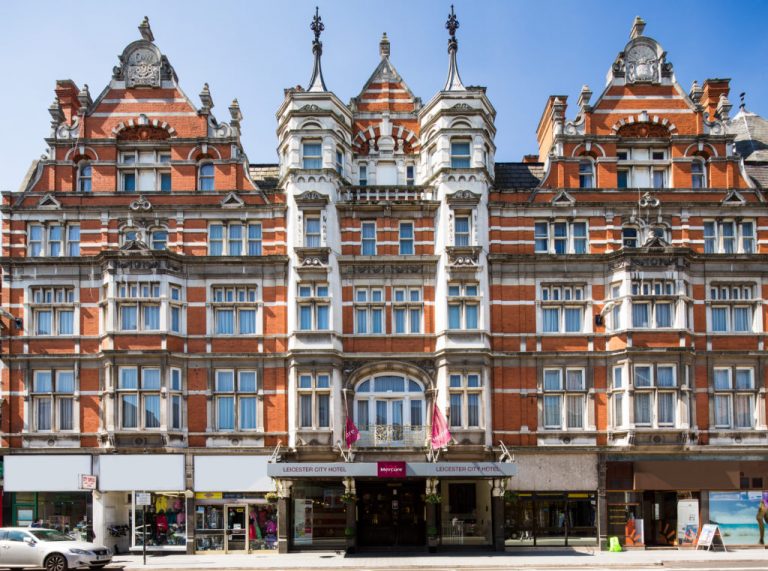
[
  {"x": 350, "y": 530},
  {"x": 497, "y": 512},
  {"x": 283, "y": 514},
  {"x": 602, "y": 505}
]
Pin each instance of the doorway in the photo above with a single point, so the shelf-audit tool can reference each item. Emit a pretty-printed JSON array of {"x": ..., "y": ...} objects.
[
  {"x": 660, "y": 508},
  {"x": 236, "y": 528},
  {"x": 391, "y": 515}
]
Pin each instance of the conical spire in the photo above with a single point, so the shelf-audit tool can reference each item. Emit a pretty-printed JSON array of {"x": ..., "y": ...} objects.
[
  {"x": 453, "y": 83},
  {"x": 317, "y": 83}
]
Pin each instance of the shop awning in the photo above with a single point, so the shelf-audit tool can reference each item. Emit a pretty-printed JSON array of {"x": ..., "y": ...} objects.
[
  {"x": 232, "y": 474},
  {"x": 45, "y": 473},
  {"x": 141, "y": 472}
]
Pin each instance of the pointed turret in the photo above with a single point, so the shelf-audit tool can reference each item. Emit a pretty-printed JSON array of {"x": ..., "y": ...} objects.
[
  {"x": 316, "y": 82},
  {"x": 453, "y": 83}
]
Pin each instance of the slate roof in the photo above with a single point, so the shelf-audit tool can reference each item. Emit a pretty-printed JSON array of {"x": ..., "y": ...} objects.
[
  {"x": 751, "y": 132},
  {"x": 518, "y": 175},
  {"x": 758, "y": 171},
  {"x": 265, "y": 175}
]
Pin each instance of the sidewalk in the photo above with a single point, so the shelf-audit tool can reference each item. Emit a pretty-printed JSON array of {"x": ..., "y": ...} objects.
[{"x": 755, "y": 558}]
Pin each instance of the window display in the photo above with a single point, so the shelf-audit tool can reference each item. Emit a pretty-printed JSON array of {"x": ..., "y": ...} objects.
[
  {"x": 551, "y": 519},
  {"x": 165, "y": 524},
  {"x": 466, "y": 513},
  {"x": 234, "y": 522},
  {"x": 319, "y": 515}
]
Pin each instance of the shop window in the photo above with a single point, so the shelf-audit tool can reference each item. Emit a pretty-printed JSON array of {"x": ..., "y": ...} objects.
[
  {"x": 144, "y": 171},
  {"x": 314, "y": 307},
  {"x": 314, "y": 391},
  {"x": 463, "y": 306},
  {"x": 368, "y": 238},
  {"x": 729, "y": 237},
  {"x": 560, "y": 237},
  {"x": 562, "y": 308},
  {"x": 389, "y": 411},
  {"x": 407, "y": 308},
  {"x": 53, "y": 240},
  {"x": 234, "y": 239},
  {"x": 221, "y": 525},
  {"x": 465, "y": 513},
  {"x": 235, "y": 310},
  {"x": 53, "y": 401},
  {"x": 53, "y": 310},
  {"x": 586, "y": 174},
  {"x": 564, "y": 405},
  {"x": 465, "y": 398},
  {"x": 206, "y": 174},
  {"x": 84, "y": 177},
  {"x": 166, "y": 522},
  {"x": 318, "y": 515},
  {"x": 460, "y": 154},
  {"x": 312, "y": 155},
  {"x": 139, "y": 390},
  {"x": 236, "y": 397},
  {"x": 732, "y": 308},
  {"x": 734, "y": 397},
  {"x": 406, "y": 239},
  {"x": 369, "y": 311},
  {"x": 655, "y": 395}
]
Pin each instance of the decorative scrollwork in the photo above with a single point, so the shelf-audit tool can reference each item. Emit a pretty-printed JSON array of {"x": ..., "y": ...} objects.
[{"x": 141, "y": 203}]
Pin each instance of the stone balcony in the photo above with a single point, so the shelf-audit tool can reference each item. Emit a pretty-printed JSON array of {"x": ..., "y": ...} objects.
[
  {"x": 385, "y": 194},
  {"x": 393, "y": 436}
]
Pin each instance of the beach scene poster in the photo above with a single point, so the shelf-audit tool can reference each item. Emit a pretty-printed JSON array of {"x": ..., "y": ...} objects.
[{"x": 736, "y": 515}]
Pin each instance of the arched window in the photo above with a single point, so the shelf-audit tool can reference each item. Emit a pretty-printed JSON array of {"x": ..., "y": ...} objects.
[
  {"x": 630, "y": 237},
  {"x": 206, "y": 176},
  {"x": 586, "y": 174},
  {"x": 698, "y": 174},
  {"x": 390, "y": 410},
  {"x": 129, "y": 234},
  {"x": 84, "y": 176},
  {"x": 159, "y": 239}
]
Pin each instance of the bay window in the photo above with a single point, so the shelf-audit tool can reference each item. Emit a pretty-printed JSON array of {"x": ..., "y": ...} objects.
[
  {"x": 655, "y": 395},
  {"x": 460, "y": 154},
  {"x": 139, "y": 390},
  {"x": 654, "y": 303},
  {"x": 734, "y": 397},
  {"x": 139, "y": 306},
  {"x": 312, "y": 155},
  {"x": 465, "y": 399}
]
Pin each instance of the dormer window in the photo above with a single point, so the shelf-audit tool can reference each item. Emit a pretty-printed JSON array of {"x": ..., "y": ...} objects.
[
  {"x": 460, "y": 155},
  {"x": 312, "y": 155},
  {"x": 206, "y": 176},
  {"x": 586, "y": 174},
  {"x": 84, "y": 177},
  {"x": 642, "y": 167}
]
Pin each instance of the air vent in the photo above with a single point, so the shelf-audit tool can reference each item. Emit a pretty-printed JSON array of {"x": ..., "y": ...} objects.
[
  {"x": 51, "y": 442},
  {"x": 657, "y": 439},
  {"x": 737, "y": 439},
  {"x": 234, "y": 441},
  {"x": 566, "y": 439},
  {"x": 139, "y": 441}
]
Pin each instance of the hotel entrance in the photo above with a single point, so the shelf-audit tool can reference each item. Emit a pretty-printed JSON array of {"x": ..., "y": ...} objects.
[{"x": 391, "y": 515}]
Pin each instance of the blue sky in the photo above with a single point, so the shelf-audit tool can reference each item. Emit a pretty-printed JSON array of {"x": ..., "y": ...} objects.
[{"x": 522, "y": 51}]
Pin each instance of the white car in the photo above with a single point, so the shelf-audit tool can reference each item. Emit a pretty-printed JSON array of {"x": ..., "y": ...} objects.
[{"x": 50, "y": 549}]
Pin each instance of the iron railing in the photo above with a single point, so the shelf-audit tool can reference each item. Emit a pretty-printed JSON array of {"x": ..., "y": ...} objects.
[{"x": 392, "y": 436}]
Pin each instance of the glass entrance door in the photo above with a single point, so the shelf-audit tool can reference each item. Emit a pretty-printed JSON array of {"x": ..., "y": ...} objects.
[{"x": 236, "y": 528}]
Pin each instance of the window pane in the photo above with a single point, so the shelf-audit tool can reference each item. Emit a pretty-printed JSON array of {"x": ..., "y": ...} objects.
[
  {"x": 65, "y": 382},
  {"x": 129, "y": 378},
  {"x": 225, "y": 321},
  {"x": 574, "y": 380},
  {"x": 305, "y": 317},
  {"x": 151, "y": 317},
  {"x": 719, "y": 319},
  {"x": 151, "y": 411},
  {"x": 322, "y": 317},
  {"x": 323, "y": 411},
  {"x": 551, "y": 320},
  {"x": 471, "y": 315},
  {"x": 456, "y": 409},
  {"x": 150, "y": 379},
  {"x": 247, "y": 321},
  {"x": 552, "y": 411},
  {"x": 129, "y": 411},
  {"x": 722, "y": 379},
  {"x": 665, "y": 376},
  {"x": 377, "y": 325},
  {"x": 617, "y": 377},
  {"x": 742, "y": 319},
  {"x": 454, "y": 316},
  {"x": 663, "y": 315},
  {"x": 42, "y": 382},
  {"x": 667, "y": 408},
  {"x": 225, "y": 381},
  {"x": 247, "y": 413},
  {"x": 618, "y": 409},
  {"x": 640, "y": 314},
  {"x": 247, "y": 381},
  {"x": 541, "y": 236},
  {"x": 552, "y": 380},
  {"x": 66, "y": 414},
  {"x": 361, "y": 316},
  {"x": 415, "y": 320},
  {"x": 305, "y": 411},
  {"x": 225, "y": 413},
  {"x": 573, "y": 319},
  {"x": 642, "y": 408},
  {"x": 709, "y": 238},
  {"x": 723, "y": 410},
  {"x": 399, "y": 315},
  {"x": 744, "y": 411},
  {"x": 44, "y": 319},
  {"x": 417, "y": 416},
  {"x": 744, "y": 379},
  {"x": 128, "y": 318},
  {"x": 642, "y": 376},
  {"x": 176, "y": 412},
  {"x": 473, "y": 409},
  {"x": 575, "y": 411},
  {"x": 44, "y": 409},
  {"x": 66, "y": 322}
]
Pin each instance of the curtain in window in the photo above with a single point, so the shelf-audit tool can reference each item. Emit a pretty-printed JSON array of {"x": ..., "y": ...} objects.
[
  {"x": 254, "y": 239},
  {"x": 575, "y": 411},
  {"x": 305, "y": 317},
  {"x": 541, "y": 236},
  {"x": 305, "y": 411},
  {"x": 129, "y": 378},
  {"x": 65, "y": 382},
  {"x": 225, "y": 381},
  {"x": 552, "y": 411},
  {"x": 128, "y": 318},
  {"x": 247, "y": 413},
  {"x": 225, "y": 321},
  {"x": 150, "y": 379},
  {"x": 216, "y": 240},
  {"x": 377, "y": 325},
  {"x": 663, "y": 315},
  {"x": 551, "y": 316},
  {"x": 461, "y": 237},
  {"x": 709, "y": 237},
  {"x": 176, "y": 319},
  {"x": 473, "y": 409},
  {"x": 454, "y": 316},
  {"x": 312, "y": 233},
  {"x": 666, "y": 403},
  {"x": 574, "y": 380},
  {"x": 54, "y": 241},
  {"x": 44, "y": 409},
  {"x": 561, "y": 237},
  {"x": 73, "y": 238},
  {"x": 399, "y": 316},
  {"x": 235, "y": 240},
  {"x": 151, "y": 411},
  {"x": 723, "y": 410},
  {"x": 639, "y": 315},
  {"x": 247, "y": 321},
  {"x": 579, "y": 238},
  {"x": 744, "y": 411},
  {"x": 729, "y": 240},
  {"x": 573, "y": 319},
  {"x": 742, "y": 319},
  {"x": 618, "y": 409},
  {"x": 665, "y": 376},
  {"x": 417, "y": 417},
  {"x": 361, "y": 315},
  {"x": 176, "y": 412},
  {"x": 642, "y": 376},
  {"x": 744, "y": 379},
  {"x": 747, "y": 237},
  {"x": 456, "y": 409},
  {"x": 322, "y": 317},
  {"x": 722, "y": 379},
  {"x": 66, "y": 322},
  {"x": 552, "y": 381},
  {"x": 151, "y": 317},
  {"x": 471, "y": 315},
  {"x": 66, "y": 414},
  {"x": 381, "y": 412},
  {"x": 225, "y": 413},
  {"x": 44, "y": 320},
  {"x": 247, "y": 382},
  {"x": 642, "y": 408},
  {"x": 362, "y": 415},
  {"x": 129, "y": 411},
  {"x": 719, "y": 319},
  {"x": 415, "y": 317}
]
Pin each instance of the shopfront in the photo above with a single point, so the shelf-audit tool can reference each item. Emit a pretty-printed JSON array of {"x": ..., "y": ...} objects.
[
  {"x": 231, "y": 512},
  {"x": 392, "y": 505},
  {"x": 34, "y": 492}
]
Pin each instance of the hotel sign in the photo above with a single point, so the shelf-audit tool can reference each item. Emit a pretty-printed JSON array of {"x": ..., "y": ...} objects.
[{"x": 290, "y": 470}]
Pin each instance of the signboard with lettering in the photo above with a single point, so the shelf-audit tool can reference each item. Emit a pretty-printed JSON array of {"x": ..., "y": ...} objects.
[
  {"x": 143, "y": 499},
  {"x": 710, "y": 537},
  {"x": 87, "y": 482},
  {"x": 390, "y": 469},
  {"x": 292, "y": 470}
]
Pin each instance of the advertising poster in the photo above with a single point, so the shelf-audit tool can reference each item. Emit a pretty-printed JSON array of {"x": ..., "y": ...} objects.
[
  {"x": 302, "y": 522},
  {"x": 737, "y": 513},
  {"x": 634, "y": 532},
  {"x": 687, "y": 522}
]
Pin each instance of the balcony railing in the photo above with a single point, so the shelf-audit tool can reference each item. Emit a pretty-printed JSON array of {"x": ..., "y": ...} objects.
[
  {"x": 374, "y": 194},
  {"x": 392, "y": 436}
]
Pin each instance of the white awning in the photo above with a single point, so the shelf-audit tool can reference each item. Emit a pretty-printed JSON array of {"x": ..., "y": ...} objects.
[
  {"x": 232, "y": 474},
  {"x": 45, "y": 473},
  {"x": 141, "y": 472}
]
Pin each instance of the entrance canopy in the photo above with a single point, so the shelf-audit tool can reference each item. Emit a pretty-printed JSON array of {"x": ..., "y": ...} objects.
[{"x": 392, "y": 469}]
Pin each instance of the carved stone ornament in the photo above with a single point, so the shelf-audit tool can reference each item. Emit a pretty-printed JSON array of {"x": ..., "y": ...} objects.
[
  {"x": 142, "y": 68},
  {"x": 642, "y": 64},
  {"x": 311, "y": 197},
  {"x": 464, "y": 197},
  {"x": 461, "y": 107},
  {"x": 313, "y": 262},
  {"x": 643, "y": 131},
  {"x": 141, "y": 204},
  {"x": 310, "y": 108}
]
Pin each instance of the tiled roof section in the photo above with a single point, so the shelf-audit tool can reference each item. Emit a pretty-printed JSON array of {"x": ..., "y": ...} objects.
[
  {"x": 519, "y": 175},
  {"x": 265, "y": 176},
  {"x": 758, "y": 172},
  {"x": 751, "y": 132}
]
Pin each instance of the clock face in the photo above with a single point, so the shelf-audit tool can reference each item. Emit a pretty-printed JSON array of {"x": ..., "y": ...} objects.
[{"x": 641, "y": 54}]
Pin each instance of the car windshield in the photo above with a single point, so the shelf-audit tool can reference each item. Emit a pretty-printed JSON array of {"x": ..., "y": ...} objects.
[{"x": 49, "y": 535}]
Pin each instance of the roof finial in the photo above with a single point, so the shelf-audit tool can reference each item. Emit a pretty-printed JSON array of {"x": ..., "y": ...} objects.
[
  {"x": 145, "y": 30},
  {"x": 453, "y": 83},
  {"x": 317, "y": 83},
  {"x": 743, "y": 104},
  {"x": 638, "y": 26},
  {"x": 384, "y": 46}
]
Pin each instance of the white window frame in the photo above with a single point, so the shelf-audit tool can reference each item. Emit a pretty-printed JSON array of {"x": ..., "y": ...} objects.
[
  {"x": 699, "y": 174},
  {"x": 237, "y": 395},
  {"x": 250, "y": 241},
  {"x": 54, "y": 300},
  {"x": 550, "y": 238},
  {"x": 462, "y": 385},
  {"x": 362, "y": 174},
  {"x": 236, "y": 299},
  {"x": 311, "y": 162},
  {"x": 404, "y": 241},
  {"x": 130, "y": 163},
  {"x": 587, "y": 178},
  {"x": 565, "y": 396},
  {"x": 176, "y": 398},
  {"x": 55, "y": 397},
  {"x": 66, "y": 245},
  {"x": 410, "y": 301},
  {"x": 562, "y": 297},
  {"x": 742, "y": 243},
  {"x": 635, "y": 159},
  {"x": 369, "y": 241},
  {"x": 84, "y": 181},
  {"x": 367, "y": 302},
  {"x": 462, "y": 239},
  {"x": 320, "y": 383},
  {"x": 314, "y": 296},
  {"x": 732, "y": 393},
  {"x": 463, "y": 298},
  {"x": 654, "y": 392},
  {"x": 206, "y": 182},
  {"x": 139, "y": 294},
  {"x": 730, "y": 297},
  {"x": 461, "y": 161},
  {"x": 141, "y": 393}
]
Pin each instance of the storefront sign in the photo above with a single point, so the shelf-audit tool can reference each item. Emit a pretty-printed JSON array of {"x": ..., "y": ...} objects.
[
  {"x": 208, "y": 495},
  {"x": 711, "y": 538},
  {"x": 687, "y": 522},
  {"x": 143, "y": 499},
  {"x": 35, "y": 472},
  {"x": 391, "y": 469},
  {"x": 232, "y": 474},
  {"x": 412, "y": 469},
  {"x": 87, "y": 482},
  {"x": 150, "y": 472}
]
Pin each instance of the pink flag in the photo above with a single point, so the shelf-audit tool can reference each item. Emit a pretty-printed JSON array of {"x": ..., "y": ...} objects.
[
  {"x": 351, "y": 433},
  {"x": 440, "y": 433}
]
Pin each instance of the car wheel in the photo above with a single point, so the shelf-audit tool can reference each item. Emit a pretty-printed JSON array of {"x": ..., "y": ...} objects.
[{"x": 56, "y": 562}]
